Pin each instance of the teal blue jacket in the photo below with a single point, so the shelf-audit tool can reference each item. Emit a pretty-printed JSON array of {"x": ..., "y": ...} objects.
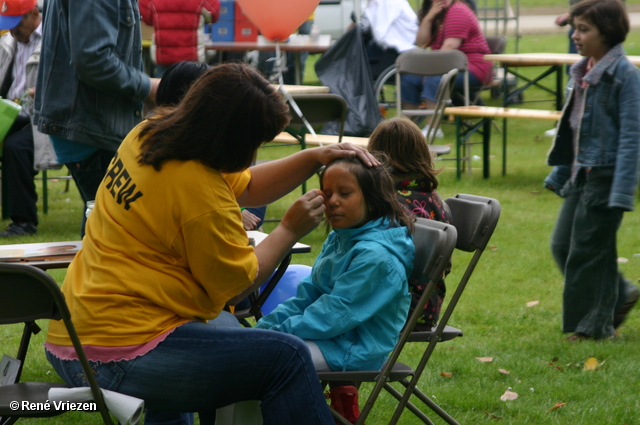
[{"x": 356, "y": 300}]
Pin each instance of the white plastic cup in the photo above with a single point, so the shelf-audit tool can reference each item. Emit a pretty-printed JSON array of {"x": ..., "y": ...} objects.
[{"x": 90, "y": 205}]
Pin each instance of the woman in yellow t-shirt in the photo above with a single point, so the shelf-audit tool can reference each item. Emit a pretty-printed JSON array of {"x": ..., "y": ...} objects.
[{"x": 165, "y": 250}]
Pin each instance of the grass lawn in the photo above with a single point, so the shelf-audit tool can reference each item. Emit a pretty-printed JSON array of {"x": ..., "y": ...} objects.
[{"x": 525, "y": 342}]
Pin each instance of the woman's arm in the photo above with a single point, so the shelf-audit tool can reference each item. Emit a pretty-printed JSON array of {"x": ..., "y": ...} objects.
[
  {"x": 274, "y": 179},
  {"x": 451, "y": 43},
  {"x": 423, "y": 38},
  {"x": 301, "y": 218}
]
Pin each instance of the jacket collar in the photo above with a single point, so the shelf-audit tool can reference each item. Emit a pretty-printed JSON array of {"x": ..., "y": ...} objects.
[{"x": 605, "y": 65}]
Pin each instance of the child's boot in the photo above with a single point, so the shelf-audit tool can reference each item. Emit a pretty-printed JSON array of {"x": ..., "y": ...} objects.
[{"x": 344, "y": 400}]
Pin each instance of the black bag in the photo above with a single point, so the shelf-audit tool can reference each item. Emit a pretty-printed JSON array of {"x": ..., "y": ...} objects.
[{"x": 344, "y": 68}]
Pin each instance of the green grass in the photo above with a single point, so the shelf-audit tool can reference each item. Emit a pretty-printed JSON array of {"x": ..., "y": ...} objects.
[{"x": 493, "y": 313}]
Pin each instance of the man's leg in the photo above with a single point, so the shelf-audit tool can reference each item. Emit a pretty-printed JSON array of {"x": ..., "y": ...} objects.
[
  {"x": 88, "y": 175},
  {"x": 19, "y": 172}
]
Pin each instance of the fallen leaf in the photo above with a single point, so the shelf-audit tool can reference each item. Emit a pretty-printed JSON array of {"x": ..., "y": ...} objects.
[
  {"x": 493, "y": 247},
  {"x": 557, "y": 406},
  {"x": 623, "y": 260},
  {"x": 555, "y": 359},
  {"x": 532, "y": 303},
  {"x": 504, "y": 371},
  {"x": 492, "y": 416},
  {"x": 446, "y": 374},
  {"x": 485, "y": 359},
  {"x": 509, "y": 395},
  {"x": 591, "y": 364}
]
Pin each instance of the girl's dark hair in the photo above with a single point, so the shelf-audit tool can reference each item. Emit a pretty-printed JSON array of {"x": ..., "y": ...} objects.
[
  {"x": 609, "y": 16},
  {"x": 377, "y": 188},
  {"x": 401, "y": 140},
  {"x": 222, "y": 120},
  {"x": 176, "y": 80}
]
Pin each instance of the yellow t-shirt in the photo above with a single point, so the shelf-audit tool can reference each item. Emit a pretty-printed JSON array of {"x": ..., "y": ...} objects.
[{"x": 161, "y": 248}]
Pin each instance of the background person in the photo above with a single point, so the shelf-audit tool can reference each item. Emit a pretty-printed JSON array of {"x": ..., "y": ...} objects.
[
  {"x": 178, "y": 29},
  {"x": 447, "y": 25},
  {"x": 415, "y": 181},
  {"x": 166, "y": 248},
  {"x": 598, "y": 143},
  {"x": 19, "y": 54},
  {"x": 90, "y": 85}
]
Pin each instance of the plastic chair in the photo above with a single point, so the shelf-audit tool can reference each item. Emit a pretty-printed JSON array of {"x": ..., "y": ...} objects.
[
  {"x": 475, "y": 219},
  {"x": 434, "y": 243},
  {"x": 29, "y": 294},
  {"x": 447, "y": 63}
]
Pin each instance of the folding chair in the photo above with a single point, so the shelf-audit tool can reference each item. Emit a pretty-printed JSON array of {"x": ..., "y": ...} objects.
[
  {"x": 29, "y": 294},
  {"x": 475, "y": 218},
  {"x": 432, "y": 63},
  {"x": 429, "y": 63},
  {"x": 434, "y": 243}
]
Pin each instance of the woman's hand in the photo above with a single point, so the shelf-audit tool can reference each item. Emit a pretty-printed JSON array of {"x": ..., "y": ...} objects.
[
  {"x": 249, "y": 220},
  {"x": 343, "y": 150},
  {"x": 304, "y": 214},
  {"x": 436, "y": 7}
]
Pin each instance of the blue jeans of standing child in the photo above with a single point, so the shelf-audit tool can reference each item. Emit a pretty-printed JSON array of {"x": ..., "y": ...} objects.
[
  {"x": 584, "y": 247},
  {"x": 200, "y": 367}
]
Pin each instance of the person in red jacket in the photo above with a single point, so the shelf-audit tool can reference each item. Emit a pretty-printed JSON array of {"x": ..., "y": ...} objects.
[{"x": 178, "y": 34}]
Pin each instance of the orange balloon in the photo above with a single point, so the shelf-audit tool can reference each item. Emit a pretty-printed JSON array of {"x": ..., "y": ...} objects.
[{"x": 278, "y": 19}]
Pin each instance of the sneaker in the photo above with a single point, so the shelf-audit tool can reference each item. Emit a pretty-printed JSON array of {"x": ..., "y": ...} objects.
[
  {"x": 550, "y": 133},
  {"x": 439, "y": 133},
  {"x": 14, "y": 230},
  {"x": 633, "y": 294},
  {"x": 344, "y": 400}
]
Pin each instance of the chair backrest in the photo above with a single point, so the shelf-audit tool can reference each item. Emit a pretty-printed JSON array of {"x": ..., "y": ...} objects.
[
  {"x": 29, "y": 294},
  {"x": 429, "y": 63},
  {"x": 475, "y": 218},
  {"x": 497, "y": 43},
  {"x": 319, "y": 109}
]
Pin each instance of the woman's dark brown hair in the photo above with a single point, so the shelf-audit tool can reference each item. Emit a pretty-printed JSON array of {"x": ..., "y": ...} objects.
[
  {"x": 401, "y": 140},
  {"x": 377, "y": 189},
  {"x": 222, "y": 120},
  {"x": 426, "y": 5},
  {"x": 609, "y": 16}
]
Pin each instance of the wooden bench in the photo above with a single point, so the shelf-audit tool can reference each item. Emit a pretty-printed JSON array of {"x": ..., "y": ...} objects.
[
  {"x": 486, "y": 114},
  {"x": 320, "y": 139}
]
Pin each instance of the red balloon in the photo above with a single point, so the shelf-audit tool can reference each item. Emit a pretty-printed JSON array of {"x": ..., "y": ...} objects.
[{"x": 278, "y": 19}]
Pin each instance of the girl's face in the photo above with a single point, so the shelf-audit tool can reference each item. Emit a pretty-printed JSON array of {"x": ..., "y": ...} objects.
[
  {"x": 588, "y": 39},
  {"x": 345, "y": 202}
]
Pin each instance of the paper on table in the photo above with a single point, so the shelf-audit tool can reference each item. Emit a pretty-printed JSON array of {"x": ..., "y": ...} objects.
[{"x": 125, "y": 408}]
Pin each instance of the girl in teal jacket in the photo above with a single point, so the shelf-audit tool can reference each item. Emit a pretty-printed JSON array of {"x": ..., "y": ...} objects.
[{"x": 351, "y": 308}]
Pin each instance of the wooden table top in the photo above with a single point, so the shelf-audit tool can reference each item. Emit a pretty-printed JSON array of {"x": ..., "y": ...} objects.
[
  {"x": 542, "y": 59},
  {"x": 498, "y": 112},
  {"x": 300, "y": 89},
  {"x": 296, "y": 43},
  {"x": 56, "y": 255}
]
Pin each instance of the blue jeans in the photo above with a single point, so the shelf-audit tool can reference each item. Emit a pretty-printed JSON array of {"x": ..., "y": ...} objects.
[
  {"x": 584, "y": 247},
  {"x": 88, "y": 174},
  {"x": 200, "y": 367},
  {"x": 415, "y": 88}
]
